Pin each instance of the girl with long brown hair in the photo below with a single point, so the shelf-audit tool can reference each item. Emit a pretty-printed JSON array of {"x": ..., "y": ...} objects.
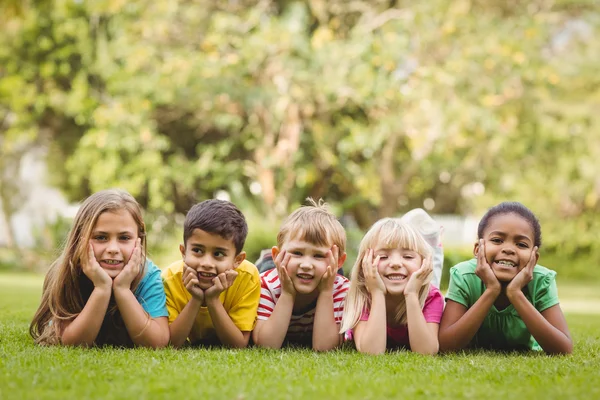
[{"x": 102, "y": 290}]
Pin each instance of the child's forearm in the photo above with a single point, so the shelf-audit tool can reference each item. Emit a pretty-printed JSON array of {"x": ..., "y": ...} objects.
[
  {"x": 83, "y": 330},
  {"x": 143, "y": 330},
  {"x": 458, "y": 334},
  {"x": 182, "y": 326},
  {"x": 549, "y": 337},
  {"x": 422, "y": 339},
  {"x": 371, "y": 336},
  {"x": 271, "y": 333},
  {"x": 326, "y": 334},
  {"x": 229, "y": 334}
]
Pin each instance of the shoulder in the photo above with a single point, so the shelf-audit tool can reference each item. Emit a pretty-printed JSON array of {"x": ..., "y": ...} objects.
[
  {"x": 434, "y": 293},
  {"x": 540, "y": 272},
  {"x": 248, "y": 270},
  {"x": 270, "y": 278},
  {"x": 340, "y": 281},
  {"x": 464, "y": 268},
  {"x": 152, "y": 272},
  {"x": 175, "y": 270}
]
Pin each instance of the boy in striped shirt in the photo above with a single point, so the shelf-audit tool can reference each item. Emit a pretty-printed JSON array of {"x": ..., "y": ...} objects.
[{"x": 302, "y": 298}]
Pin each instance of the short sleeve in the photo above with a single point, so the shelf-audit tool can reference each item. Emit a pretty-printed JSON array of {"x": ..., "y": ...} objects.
[
  {"x": 243, "y": 312},
  {"x": 341, "y": 286},
  {"x": 434, "y": 306},
  {"x": 267, "y": 298},
  {"x": 546, "y": 294},
  {"x": 150, "y": 292},
  {"x": 458, "y": 288}
]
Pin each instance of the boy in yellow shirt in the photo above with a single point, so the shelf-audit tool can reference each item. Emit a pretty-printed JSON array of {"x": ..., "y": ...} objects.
[{"x": 213, "y": 293}]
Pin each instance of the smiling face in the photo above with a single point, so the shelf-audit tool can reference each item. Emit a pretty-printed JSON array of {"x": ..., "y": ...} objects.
[
  {"x": 396, "y": 265},
  {"x": 508, "y": 240},
  {"x": 113, "y": 239},
  {"x": 308, "y": 262},
  {"x": 209, "y": 254}
]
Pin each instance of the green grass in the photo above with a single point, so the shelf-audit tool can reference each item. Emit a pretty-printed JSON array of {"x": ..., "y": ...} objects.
[{"x": 30, "y": 372}]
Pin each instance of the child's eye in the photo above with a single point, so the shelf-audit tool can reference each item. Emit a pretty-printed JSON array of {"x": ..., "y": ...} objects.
[
  {"x": 496, "y": 240},
  {"x": 381, "y": 256},
  {"x": 297, "y": 253},
  {"x": 409, "y": 256},
  {"x": 100, "y": 237},
  {"x": 523, "y": 245},
  {"x": 219, "y": 254},
  {"x": 125, "y": 238},
  {"x": 319, "y": 256},
  {"x": 197, "y": 250}
]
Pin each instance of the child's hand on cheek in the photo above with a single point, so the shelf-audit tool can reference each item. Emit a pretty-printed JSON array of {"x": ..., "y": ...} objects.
[
  {"x": 131, "y": 270},
  {"x": 484, "y": 270},
  {"x": 94, "y": 271},
  {"x": 221, "y": 282},
  {"x": 281, "y": 263},
  {"x": 328, "y": 278},
  {"x": 373, "y": 280},
  {"x": 419, "y": 277},
  {"x": 524, "y": 276},
  {"x": 190, "y": 281}
]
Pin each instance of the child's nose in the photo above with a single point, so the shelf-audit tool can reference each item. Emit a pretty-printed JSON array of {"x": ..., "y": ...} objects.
[
  {"x": 507, "y": 249},
  {"x": 112, "y": 246}
]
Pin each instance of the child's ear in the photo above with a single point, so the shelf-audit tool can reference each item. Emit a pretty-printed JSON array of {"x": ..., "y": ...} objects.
[
  {"x": 239, "y": 259},
  {"x": 476, "y": 248},
  {"x": 341, "y": 260},
  {"x": 274, "y": 252},
  {"x": 182, "y": 250}
]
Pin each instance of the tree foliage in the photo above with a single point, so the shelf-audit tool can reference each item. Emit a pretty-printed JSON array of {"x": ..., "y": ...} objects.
[{"x": 373, "y": 105}]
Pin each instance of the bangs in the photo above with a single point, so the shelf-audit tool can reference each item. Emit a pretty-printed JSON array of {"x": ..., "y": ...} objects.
[
  {"x": 391, "y": 233},
  {"x": 313, "y": 233}
]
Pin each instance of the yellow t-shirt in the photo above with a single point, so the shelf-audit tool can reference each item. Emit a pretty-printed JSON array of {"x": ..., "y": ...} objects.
[{"x": 240, "y": 300}]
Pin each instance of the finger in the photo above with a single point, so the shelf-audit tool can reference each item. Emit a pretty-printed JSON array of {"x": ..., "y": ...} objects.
[
  {"x": 375, "y": 267},
  {"x": 285, "y": 262},
  {"x": 280, "y": 257},
  {"x": 223, "y": 279},
  {"x": 231, "y": 275},
  {"x": 480, "y": 252},
  {"x": 335, "y": 253}
]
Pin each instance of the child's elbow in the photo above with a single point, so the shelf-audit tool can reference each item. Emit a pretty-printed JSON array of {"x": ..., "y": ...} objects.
[
  {"x": 430, "y": 351},
  {"x": 565, "y": 350}
]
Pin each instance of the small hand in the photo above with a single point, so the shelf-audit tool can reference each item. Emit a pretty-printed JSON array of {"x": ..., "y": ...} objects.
[
  {"x": 281, "y": 262},
  {"x": 419, "y": 277},
  {"x": 373, "y": 280},
  {"x": 191, "y": 283},
  {"x": 221, "y": 282},
  {"x": 484, "y": 270},
  {"x": 94, "y": 271},
  {"x": 328, "y": 278},
  {"x": 525, "y": 275},
  {"x": 132, "y": 269}
]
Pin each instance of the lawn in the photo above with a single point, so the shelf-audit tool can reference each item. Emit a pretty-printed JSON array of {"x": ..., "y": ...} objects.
[{"x": 30, "y": 372}]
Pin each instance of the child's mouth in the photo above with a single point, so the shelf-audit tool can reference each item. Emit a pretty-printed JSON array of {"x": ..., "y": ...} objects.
[
  {"x": 111, "y": 263},
  {"x": 206, "y": 276},
  {"x": 505, "y": 264},
  {"x": 305, "y": 277},
  {"x": 396, "y": 277}
]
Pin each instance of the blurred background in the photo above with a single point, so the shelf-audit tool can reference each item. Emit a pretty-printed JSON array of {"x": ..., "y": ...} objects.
[{"x": 376, "y": 106}]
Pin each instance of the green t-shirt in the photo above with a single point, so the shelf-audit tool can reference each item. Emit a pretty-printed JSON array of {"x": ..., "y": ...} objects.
[{"x": 503, "y": 330}]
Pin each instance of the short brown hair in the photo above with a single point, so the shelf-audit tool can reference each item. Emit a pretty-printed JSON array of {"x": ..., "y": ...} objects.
[
  {"x": 218, "y": 217},
  {"x": 315, "y": 224}
]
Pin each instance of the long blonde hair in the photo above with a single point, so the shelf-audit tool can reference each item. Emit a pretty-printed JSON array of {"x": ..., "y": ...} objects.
[
  {"x": 389, "y": 233},
  {"x": 66, "y": 288}
]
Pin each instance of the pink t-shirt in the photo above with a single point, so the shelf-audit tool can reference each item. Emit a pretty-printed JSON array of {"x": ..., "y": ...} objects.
[{"x": 432, "y": 311}]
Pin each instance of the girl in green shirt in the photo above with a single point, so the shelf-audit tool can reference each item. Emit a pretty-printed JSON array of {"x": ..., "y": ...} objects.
[{"x": 501, "y": 299}]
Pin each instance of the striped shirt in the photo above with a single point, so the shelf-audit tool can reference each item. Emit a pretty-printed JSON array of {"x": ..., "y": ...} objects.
[{"x": 301, "y": 325}]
